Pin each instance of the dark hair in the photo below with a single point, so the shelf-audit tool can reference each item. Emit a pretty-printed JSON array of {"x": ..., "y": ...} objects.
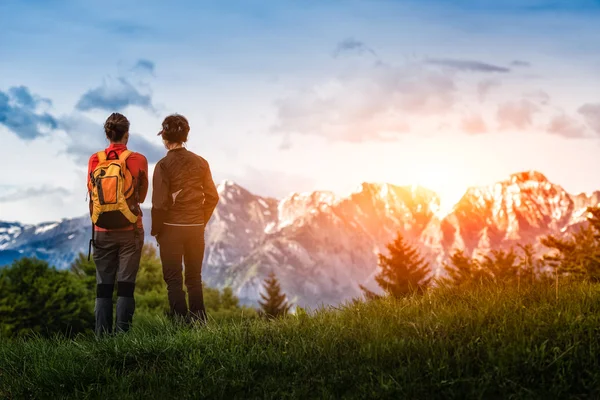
[
  {"x": 116, "y": 126},
  {"x": 175, "y": 129}
]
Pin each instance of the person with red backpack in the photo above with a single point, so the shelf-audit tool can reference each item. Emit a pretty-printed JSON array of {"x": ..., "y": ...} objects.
[{"x": 117, "y": 184}]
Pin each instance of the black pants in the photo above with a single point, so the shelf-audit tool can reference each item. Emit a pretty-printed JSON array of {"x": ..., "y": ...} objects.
[
  {"x": 179, "y": 246},
  {"x": 117, "y": 256}
]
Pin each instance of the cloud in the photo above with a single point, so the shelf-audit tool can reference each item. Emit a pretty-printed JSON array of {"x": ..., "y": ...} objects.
[
  {"x": 114, "y": 95},
  {"x": 566, "y": 126},
  {"x": 381, "y": 102},
  {"x": 591, "y": 115},
  {"x": 474, "y": 124},
  {"x": 539, "y": 96},
  {"x": 23, "y": 97},
  {"x": 146, "y": 66},
  {"x": 369, "y": 104},
  {"x": 484, "y": 87},
  {"x": 516, "y": 114},
  {"x": 86, "y": 137},
  {"x": 19, "y": 112},
  {"x": 467, "y": 65},
  {"x": 153, "y": 151},
  {"x": 286, "y": 143},
  {"x": 520, "y": 63},
  {"x": 27, "y": 193},
  {"x": 351, "y": 45}
]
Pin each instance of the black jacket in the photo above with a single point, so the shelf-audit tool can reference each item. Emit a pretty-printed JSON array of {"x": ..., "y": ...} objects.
[{"x": 183, "y": 190}]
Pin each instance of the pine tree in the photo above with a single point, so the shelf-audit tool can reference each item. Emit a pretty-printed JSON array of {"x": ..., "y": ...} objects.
[
  {"x": 274, "y": 304},
  {"x": 578, "y": 255},
  {"x": 404, "y": 271},
  {"x": 529, "y": 265},
  {"x": 502, "y": 266},
  {"x": 594, "y": 219},
  {"x": 463, "y": 270}
]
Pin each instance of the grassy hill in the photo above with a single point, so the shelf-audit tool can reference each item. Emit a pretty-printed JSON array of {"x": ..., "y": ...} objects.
[{"x": 487, "y": 343}]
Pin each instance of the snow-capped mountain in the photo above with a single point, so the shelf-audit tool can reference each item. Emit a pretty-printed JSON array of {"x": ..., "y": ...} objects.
[
  {"x": 57, "y": 242},
  {"x": 237, "y": 227},
  {"x": 322, "y": 246},
  {"x": 321, "y": 255},
  {"x": 519, "y": 209}
]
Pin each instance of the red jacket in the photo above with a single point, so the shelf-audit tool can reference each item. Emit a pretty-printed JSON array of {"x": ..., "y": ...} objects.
[{"x": 137, "y": 165}]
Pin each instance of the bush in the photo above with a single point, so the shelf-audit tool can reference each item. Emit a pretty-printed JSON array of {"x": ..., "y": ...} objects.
[
  {"x": 37, "y": 299},
  {"x": 151, "y": 290},
  {"x": 150, "y": 287}
]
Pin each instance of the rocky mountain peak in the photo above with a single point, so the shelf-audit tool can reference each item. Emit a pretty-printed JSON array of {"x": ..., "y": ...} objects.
[
  {"x": 516, "y": 209},
  {"x": 322, "y": 246},
  {"x": 298, "y": 205},
  {"x": 585, "y": 200},
  {"x": 529, "y": 177},
  {"x": 230, "y": 190}
]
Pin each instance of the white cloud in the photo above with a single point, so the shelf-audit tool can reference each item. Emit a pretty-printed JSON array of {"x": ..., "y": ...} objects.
[
  {"x": 539, "y": 96},
  {"x": 484, "y": 87},
  {"x": 474, "y": 124},
  {"x": 114, "y": 95},
  {"x": 86, "y": 137},
  {"x": 20, "y": 194},
  {"x": 567, "y": 126},
  {"x": 591, "y": 114},
  {"x": 371, "y": 104},
  {"x": 516, "y": 114}
]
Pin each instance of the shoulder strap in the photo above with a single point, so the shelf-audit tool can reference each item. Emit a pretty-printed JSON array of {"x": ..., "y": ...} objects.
[
  {"x": 124, "y": 155},
  {"x": 101, "y": 156}
]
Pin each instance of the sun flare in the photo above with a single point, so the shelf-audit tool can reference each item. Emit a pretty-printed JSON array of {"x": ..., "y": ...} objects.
[{"x": 446, "y": 180}]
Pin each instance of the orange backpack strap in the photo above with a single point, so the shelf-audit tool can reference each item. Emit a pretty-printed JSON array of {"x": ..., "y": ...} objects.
[
  {"x": 124, "y": 155},
  {"x": 101, "y": 156}
]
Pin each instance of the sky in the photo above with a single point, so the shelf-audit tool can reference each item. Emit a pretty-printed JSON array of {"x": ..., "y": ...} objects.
[{"x": 289, "y": 96}]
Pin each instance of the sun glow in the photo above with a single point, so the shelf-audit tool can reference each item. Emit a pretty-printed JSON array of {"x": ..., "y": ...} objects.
[
  {"x": 435, "y": 163},
  {"x": 445, "y": 180}
]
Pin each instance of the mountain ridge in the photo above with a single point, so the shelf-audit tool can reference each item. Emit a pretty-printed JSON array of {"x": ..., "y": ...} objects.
[{"x": 322, "y": 245}]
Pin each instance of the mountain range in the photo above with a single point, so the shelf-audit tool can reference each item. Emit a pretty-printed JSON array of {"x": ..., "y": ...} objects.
[{"x": 322, "y": 246}]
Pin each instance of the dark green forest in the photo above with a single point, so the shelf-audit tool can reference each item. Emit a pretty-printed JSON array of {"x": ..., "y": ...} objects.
[{"x": 36, "y": 299}]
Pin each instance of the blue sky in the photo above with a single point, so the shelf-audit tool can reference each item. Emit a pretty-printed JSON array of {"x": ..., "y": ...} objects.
[{"x": 289, "y": 96}]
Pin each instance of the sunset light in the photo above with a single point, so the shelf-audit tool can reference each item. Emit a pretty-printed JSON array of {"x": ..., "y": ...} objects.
[
  {"x": 365, "y": 199},
  {"x": 442, "y": 179}
]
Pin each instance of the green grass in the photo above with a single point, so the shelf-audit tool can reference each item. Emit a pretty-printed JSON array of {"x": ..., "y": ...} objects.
[{"x": 487, "y": 344}]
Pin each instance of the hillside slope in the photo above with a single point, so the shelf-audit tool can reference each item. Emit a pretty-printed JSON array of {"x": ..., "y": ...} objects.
[{"x": 490, "y": 344}]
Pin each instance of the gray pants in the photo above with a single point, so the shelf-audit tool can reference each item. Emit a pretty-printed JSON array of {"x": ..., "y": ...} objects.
[{"x": 117, "y": 256}]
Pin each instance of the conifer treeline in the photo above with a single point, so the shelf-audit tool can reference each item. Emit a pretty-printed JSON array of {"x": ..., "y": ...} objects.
[{"x": 577, "y": 256}]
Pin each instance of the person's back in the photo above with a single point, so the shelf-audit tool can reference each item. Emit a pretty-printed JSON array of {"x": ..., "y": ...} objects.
[
  {"x": 190, "y": 184},
  {"x": 183, "y": 199},
  {"x": 118, "y": 233}
]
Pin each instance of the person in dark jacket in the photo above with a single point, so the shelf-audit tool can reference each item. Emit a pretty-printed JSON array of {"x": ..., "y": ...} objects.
[{"x": 183, "y": 200}]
